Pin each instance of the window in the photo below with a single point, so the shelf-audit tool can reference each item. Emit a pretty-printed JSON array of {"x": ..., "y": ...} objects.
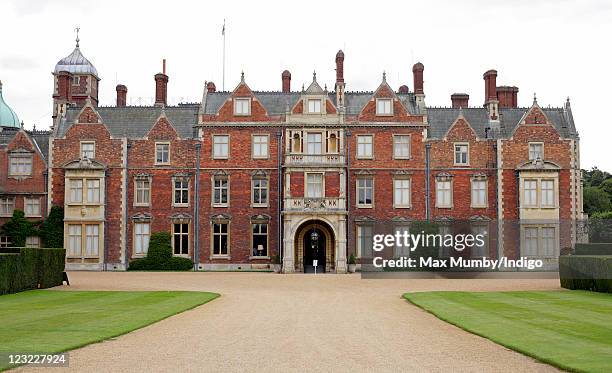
[
  {"x": 260, "y": 191},
  {"x": 84, "y": 240},
  {"x": 142, "y": 233},
  {"x": 220, "y": 239},
  {"x": 549, "y": 241},
  {"x": 297, "y": 143},
  {"x": 314, "y": 143},
  {"x": 364, "y": 241},
  {"x": 365, "y": 192},
  {"x": 220, "y": 146},
  {"x": 20, "y": 165},
  {"x": 88, "y": 149},
  {"x": 461, "y": 154},
  {"x": 401, "y": 193},
  {"x": 332, "y": 143},
  {"x": 547, "y": 193},
  {"x": 180, "y": 242},
  {"x": 220, "y": 191},
  {"x": 384, "y": 106},
  {"x": 76, "y": 190},
  {"x": 92, "y": 240},
  {"x": 7, "y": 206},
  {"x": 162, "y": 153},
  {"x": 93, "y": 191},
  {"x": 479, "y": 193},
  {"x": 401, "y": 146},
  {"x": 76, "y": 80},
  {"x": 32, "y": 206},
  {"x": 314, "y": 185},
  {"x": 32, "y": 241},
  {"x": 260, "y": 146},
  {"x": 403, "y": 250},
  {"x": 314, "y": 106},
  {"x": 536, "y": 151},
  {"x": 260, "y": 239},
  {"x": 364, "y": 146},
  {"x": 143, "y": 192},
  {"x": 181, "y": 192},
  {"x": 480, "y": 251},
  {"x": 530, "y": 193},
  {"x": 5, "y": 241},
  {"x": 74, "y": 240},
  {"x": 531, "y": 241},
  {"x": 242, "y": 106},
  {"x": 444, "y": 194},
  {"x": 540, "y": 241}
]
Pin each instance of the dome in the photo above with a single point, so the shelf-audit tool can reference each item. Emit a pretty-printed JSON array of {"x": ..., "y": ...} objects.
[
  {"x": 8, "y": 118},
  {"x": 76, "y": 63}
]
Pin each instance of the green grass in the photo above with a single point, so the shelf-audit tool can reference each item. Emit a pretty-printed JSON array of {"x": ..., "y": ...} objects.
[
  {"x": 41, "y": 321},
  {"x": 568, "y": 329}
]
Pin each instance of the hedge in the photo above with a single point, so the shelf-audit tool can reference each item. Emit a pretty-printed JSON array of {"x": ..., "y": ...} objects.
[
  {"x": 30, "y": 268},
  {"x": 593, "y": 249},
  {"x": 586, "y": 272},
  {"x": 159, "y": 256}
]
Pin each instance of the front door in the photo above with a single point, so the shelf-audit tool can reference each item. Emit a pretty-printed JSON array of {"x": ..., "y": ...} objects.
[{"x": 314, "y": 251}]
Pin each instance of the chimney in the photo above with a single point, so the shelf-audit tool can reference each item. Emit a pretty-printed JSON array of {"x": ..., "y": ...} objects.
[
  {"x": 490, "y": 78},
  {"x": 286, "y": 76},
  {"x": 460, "y": 100},
  {"x": 417, "y": 73},
  {"x": 403, "y": 89},
  {"x": 121, "y": 95},
  {"x": 211, "y": 87},
  {"x": 161, "y": 86},
  {"x": 64, "y": 82},
  {"x": 507, "y": 96},
  {"x": 340, "y": 67}
]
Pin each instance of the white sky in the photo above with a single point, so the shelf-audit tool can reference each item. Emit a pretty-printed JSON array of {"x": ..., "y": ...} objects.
[{"x": 555, "y": 48}]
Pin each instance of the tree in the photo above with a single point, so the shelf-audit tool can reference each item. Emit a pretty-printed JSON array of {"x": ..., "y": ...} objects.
[
  {"x": 596, "y": 200},
  {"x": 52, "y": 229},
  {"x": 18, "y": 228}
]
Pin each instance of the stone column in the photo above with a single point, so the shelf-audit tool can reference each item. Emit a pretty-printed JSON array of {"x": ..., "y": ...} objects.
[
  {"x": 288, "y": 257},
  {"x": 341, "y": 245}
]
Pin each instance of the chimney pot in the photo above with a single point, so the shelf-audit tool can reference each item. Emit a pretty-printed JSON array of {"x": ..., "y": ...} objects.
[
  {"x": 286, "y": 76},
  {"x": 121, "y": 95},
  {"x": 490, "y": 78},
  {"x": 507, "y": 96},
  {"x": 403, "y": 89},
  {"x": 460, "y": 100},
  {"x": 211, "y": 87},
  {"x": 340, "y": 67},
  {"x": 417, "y": 74},
  {"x": 161, "y": 89}
]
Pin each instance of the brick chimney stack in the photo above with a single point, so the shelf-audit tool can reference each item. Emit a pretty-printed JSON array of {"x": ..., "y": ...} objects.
[
  {"x": 121, "y": 95},
  {"x": 286, "y": 76},
  {"x": 211, "y": 87},
  {"x": 507, "y": 96},
  {"x": 460, "y": 100},
  {"x": 161, "y": 86},
  {"x": 490, "y": 78},
  {"x": 417, "y": 74},
  {"x": 340, "y": 80},
  {"x": 403, "y": 89},
  {"x": 64, "y": 83}
]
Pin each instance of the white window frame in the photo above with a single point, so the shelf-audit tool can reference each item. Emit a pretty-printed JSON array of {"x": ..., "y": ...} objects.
[
  {"x": 547, "y": 196},
  {"x": 29, "y": 203},
  {"x": 307, "y": 183},
  {"x": 359, "y": 235},
  {"x": 314, "y": 144},
  {"x": 259, "y": 146},
  {"x": 20, "y": 164},
  {"x": 76, "y": 80},
  {"x": 5, "y": 241},
  {"x": 216, "y": 237},
  {"x": 239, "y": 106},
  {"x": 220, "y": 149},
  {"x": 541, "y": 240},
  {"x": 76, "y": 189},
  {"x": 7, "y": 206},
  {"x": 397, "y": 143},
  {"x": 532, "y": 152},
  {"x": 364, "y": 188},
  {"x": 159, "y": 147},
  {"x": 95, "y": 196},
  {"x": 32, "y": 241},
  {"x": 448, "y": 190},
  {"x": 476, "y": 191},
  {"x": 400, "y": 182},
  {"x": 142, "y": 238},
  {"x": 141, "y": 191},
  {"x": 92, "y": 151},
  {"x": 181, "y": 233},
  {"x": 181, "y": 188},
  {"x": 384, "y": 112},
  {"x": 254, "y": 252},
  {"x": 220, "y": 203},
  {"x": 363, "y": 146},
  {"x": 403, "y": 250},
  {"x": 312, "y": 109},
  {"x": 88, "y": 239},
  {"x": 266, "y": 180},
  {"x": 460, "y": 145},
  {"x": 530, "y": 196}
]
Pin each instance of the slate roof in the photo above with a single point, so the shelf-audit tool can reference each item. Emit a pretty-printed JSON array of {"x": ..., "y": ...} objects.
[{"x": 40, "y": 138}]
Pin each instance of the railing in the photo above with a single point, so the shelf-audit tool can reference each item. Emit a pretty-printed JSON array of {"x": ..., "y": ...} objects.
[
  {"x": 314, "y": 159},
  {"x": 315, "y": 204}
]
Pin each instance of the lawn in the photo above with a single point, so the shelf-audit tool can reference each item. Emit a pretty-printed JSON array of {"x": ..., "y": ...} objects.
[
  {"x": 42, "y": 321},
  {"x": 568, "y": 329}
]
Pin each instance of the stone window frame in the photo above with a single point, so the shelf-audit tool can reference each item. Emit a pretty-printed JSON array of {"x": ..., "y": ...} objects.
[
  {"x": 329, "y": 136},
  {"x": 142, "y": 178},
  {"x": 264, "y": 220},
  {"x": 364, "y": 205},
  {"x": 220, "y": 219},
  {"x": 84, "y": 201},
  {"x": 87, "y": 142},
  {"x": 25, "y": 206},
  {"x": 475, "y": 225},
  {"x": 181, "y": 221},
  {"x": 20, "y": 154},
  {"x": 479, "y": 178},
  {"x": 363, "y": 135},
  {"x": 397, "y": 225},
  {"x": 253, "y": 136},
  {"x": 320, "y": 100},
  {"x": 554, "y": 202},
  {"x": 534, "y": 143},
  {"x": 220, "y": 175},
  {"x": 445, "y": 178},
  {"x": 358, "y": 227},
  {"x": 395, "y": 204},
  {"x": 540, "y": 239},
  {"x": 467, "y": 155},
  {"x": 260, "y": 176},
  {"x": 83, "y": 238},
  {"x": 135, "y": 235},
  {"x": 323, "y": 142},
  {"x": 212, "y": 150},
  {"x": 383, "y": 114},
  {"x": 242, "y": 99},
  {"x": 4, "y": 202},
  {"x": 306, "y": 173},
  {"x": 397, "y": 135},
  {"x": 162, "y": 143},
  {"x": 76, "y": 80},
  {"x": 536, "y": 203},
  {"x": 182, "y": 179}
]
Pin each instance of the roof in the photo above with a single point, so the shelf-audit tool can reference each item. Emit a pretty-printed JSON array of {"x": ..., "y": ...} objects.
[
  {"x": 40, "y": 139},
  {"x": 8, "y": 118},
  {"x": 76, "y": 63},
  {"x": 136, "y": 121}
]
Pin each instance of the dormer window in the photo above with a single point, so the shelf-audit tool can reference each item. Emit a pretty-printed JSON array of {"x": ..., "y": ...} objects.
[
  {"x": 242, "y": 106},
  {"x": 536, "y": 151},
  {"x": 314, "y": 106},
  {"x": 384, "y": 106},
  {"x": 20, "y": 164}
]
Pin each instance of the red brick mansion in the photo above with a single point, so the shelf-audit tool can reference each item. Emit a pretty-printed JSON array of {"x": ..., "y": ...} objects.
[{"x": 245, "y": 175}]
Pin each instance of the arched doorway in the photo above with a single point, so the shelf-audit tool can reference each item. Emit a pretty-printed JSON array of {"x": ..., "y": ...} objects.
[{"x": 314, "y": 240}]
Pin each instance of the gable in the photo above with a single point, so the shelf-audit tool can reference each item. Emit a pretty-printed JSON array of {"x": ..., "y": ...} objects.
[
  {"x": 461, "y": 130},
  {"x": 400, "y": 114},
  {"x": 258, "y": 111},
  {"x": 162, "y": 130}
]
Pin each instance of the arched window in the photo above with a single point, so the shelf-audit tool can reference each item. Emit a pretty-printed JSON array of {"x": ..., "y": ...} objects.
[
  {"x": 297, "y": 143},
  {"x": 332, "y": 143}
]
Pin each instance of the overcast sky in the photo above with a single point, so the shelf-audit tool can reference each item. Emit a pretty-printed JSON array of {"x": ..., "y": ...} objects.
[{"x": 553, "y": 48}]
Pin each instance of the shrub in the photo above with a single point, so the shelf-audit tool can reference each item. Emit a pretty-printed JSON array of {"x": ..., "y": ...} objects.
[
  {"x": 18, "y": 228},
  {"x": 31, "y": 269},
  {"x": 586, "y": 272},
  {"x": 352, "y": 259},
  {"x": 159, "y": 256},
  {"x": 593, "y": 249},
  {"x": 52, "y": 229}
]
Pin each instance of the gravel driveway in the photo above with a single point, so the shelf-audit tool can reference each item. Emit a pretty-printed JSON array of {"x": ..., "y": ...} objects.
[{"x": 298, "y": 323}]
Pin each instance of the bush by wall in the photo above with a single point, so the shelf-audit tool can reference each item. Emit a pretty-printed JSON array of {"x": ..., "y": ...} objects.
[
  {"x": 593, "y": 249},
  {"x": 30, "y": 268},
  {"x": 159, "y": 256},
  {"x": 586, "y": 272}
]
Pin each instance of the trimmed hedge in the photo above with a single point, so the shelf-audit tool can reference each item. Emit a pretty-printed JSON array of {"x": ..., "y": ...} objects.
[
  {"x": 593, "y": 249},
  {"x": 159, "y": 256},
  {"x": 586, "y": 272},
  {"x": 30, "y": 269}
]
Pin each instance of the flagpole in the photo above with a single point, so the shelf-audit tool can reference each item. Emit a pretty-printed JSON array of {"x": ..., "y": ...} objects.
[{"x": 223, "y": 32}]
